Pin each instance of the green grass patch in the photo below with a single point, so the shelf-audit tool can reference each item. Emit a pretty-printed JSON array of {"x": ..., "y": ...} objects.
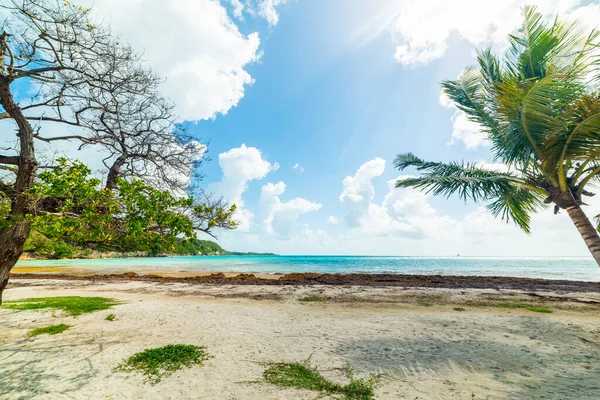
[
  {"x": 161, "y": 362},
  {"x": 309, "y": 299},
  {"x": 301, "y": 375},
  {"x": 49, "y": 330},
  {"x": 539, "y": 309},
  {"x": 72, "y": 305},
  {"x": 524, "y": 306},
  {"x": 110, "y": 317},
  {"x": 459, "y": 309}
]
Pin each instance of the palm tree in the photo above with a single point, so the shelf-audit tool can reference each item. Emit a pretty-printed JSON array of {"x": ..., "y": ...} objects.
[{"x": 540, "y": 108}]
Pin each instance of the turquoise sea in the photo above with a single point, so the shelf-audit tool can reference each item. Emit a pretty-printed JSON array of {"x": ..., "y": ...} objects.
[{"x": 571, "y": 268}]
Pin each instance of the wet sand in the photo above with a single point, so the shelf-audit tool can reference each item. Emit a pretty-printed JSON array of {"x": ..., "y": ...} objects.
[{"x": 425, "y": 348}]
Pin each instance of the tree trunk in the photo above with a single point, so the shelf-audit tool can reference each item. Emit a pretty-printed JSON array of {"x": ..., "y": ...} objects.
[
  {"x": 16, "y": 231},
  {"x": 587, "y": 231},
  {"x": 114, "y": 172},
  {"x": 12, "y": 239}
]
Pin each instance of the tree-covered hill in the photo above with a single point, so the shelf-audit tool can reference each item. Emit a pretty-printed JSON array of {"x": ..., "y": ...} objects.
[{"x": 41, "y": 246}]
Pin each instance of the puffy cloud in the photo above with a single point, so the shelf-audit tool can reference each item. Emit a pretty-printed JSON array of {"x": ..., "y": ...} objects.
[
  {"x": 403, "y": 212},
  {"x": 280, "y": 217},
  {"x": 240, "y": 165},
  {"x": 192, "y": 43},
  {"x": 359, "y": 191},
  {"x": 424, "y": 28},
  {"x": 464, "y": 130},
  {"x": 405, "y": 222}
]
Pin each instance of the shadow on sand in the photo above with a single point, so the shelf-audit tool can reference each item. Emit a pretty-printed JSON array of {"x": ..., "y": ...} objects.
[{"x": 564, "y": 363}]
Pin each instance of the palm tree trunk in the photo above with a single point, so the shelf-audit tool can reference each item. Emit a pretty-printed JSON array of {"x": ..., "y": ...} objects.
[{"x": 587, "y": 231}]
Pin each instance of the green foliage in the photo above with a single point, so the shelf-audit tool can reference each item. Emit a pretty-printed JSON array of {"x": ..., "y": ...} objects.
[
  {"x": 111, "y": 317},
  {"x": 459, "y": 309},
  {"x": 50, "y": 330},
  {"x": 41, "y": 245},
  {"x": 71, "y": 210},
  {"x": 301, "y": 375},
  {"x": 44, "y": 247},
  {"x": 72, "y": 305},
  {"x": 540, "y": 111},
  {"x": 161, "y": 362},
  {"x": 197, "y": 247},
  {"x": 309, "y": 299}
]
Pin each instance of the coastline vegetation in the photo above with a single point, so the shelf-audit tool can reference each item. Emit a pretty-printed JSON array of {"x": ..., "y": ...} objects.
[
  {"x": 161, "y": 362},
  {"x": 70, "y": 305},
  {"x": 41, "y": 246},
  {"x": 48, "y": 330}
]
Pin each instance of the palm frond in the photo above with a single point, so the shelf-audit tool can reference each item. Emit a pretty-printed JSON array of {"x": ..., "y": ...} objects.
[
  {"x": 470, "y": 95},
  {"x": 467, "y": 180},
  {"x": 532, "y": 46},
  {"x": 512, "y": 198},
  {"x": 489, "y": 66},
  {"x": 516, "y": 206},
  {"x": 579, "y": 140}
]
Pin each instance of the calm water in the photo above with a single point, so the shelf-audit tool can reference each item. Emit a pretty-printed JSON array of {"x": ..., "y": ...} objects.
[{"x": 572, "y": 268}]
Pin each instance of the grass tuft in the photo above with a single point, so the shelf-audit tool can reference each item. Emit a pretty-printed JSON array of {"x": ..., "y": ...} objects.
[
  {"x": 50, "y": 330},
  {"x": 459, "y": 309},
  {"x": 309, "y": 299},
  {"x": 72, "y": 305},
  {"x": 524, "y": 306},
  {"x": 110, "y": 317},
  {"x": 539, "y": 309},
  {"x": 301, "y": 375},
  {"x": 161, "y": 362}
]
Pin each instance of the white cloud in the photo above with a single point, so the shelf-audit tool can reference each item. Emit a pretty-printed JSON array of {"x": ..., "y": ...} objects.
[
  {"x": 240, "y": 165},
  {"x": 268, "y": 10},
  {"x": 464, "y": 130},
  {"x": 402, "y": 211},
  {"x": 238, "y": 9},
  {"x": 280, "y": 217},
  {"x": 192, "y": 43},
  {"x": 423, "y": 28},
  {"x": 405, "y": 222},
  {"x": 359, "y": 191},
  {"x": 333, "y": 220},
  {"x": 298, "y": 167}
]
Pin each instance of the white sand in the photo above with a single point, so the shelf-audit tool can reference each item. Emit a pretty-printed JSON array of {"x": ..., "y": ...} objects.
[{"x": 426, "y": 352}]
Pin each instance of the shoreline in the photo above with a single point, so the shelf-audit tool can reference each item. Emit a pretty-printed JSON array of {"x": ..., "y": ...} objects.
[{"x": 302, "y": 279}]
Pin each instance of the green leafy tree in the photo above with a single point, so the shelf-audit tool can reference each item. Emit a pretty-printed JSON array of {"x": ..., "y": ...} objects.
[
  {"x": 70, "y": 205},
  {"x": 540, "y": 109}
]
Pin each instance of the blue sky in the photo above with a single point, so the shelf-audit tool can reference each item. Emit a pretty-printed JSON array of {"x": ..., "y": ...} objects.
[
  {"x": 336, "y": 88},
  {"x": 324, "y": 102}
]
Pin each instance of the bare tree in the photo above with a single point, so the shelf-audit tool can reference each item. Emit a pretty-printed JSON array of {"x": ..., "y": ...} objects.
[{"x": 83, "y": 78}]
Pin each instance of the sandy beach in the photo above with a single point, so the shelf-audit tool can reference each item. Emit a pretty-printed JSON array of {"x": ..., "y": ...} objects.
[{"x": 424, "y": 348}]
